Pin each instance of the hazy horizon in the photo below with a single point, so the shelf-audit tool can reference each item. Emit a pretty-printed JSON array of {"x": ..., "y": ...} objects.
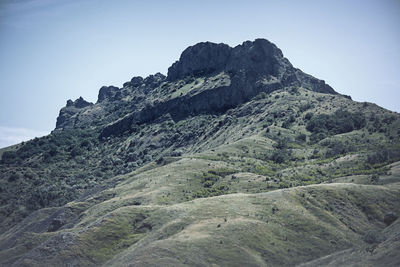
[{"x": 53, "y": 51}]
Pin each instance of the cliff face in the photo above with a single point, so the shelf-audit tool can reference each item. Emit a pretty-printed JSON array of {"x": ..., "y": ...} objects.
[
  {"x": 235, "y": 75},
  {"x": 69, "y": 114}
]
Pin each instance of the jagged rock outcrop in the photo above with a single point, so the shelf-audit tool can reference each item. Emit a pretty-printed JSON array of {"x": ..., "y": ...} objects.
[
  {"x": 152, "y": 81},
  {"x": 78, "y": 103},
  {"x": 258, "y": 59},
  {"x": 247, "y": 70},
  {"x": 253, "y": 67},
  {"x": 200, "y": 59},
  {"x": 107, "y": 92},
  {"x": 134, "y": 82},
  {"x": 70, "y": 111}
]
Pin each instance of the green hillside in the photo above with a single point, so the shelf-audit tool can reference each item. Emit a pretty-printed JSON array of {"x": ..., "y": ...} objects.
[{"x": 238, "y": 160}]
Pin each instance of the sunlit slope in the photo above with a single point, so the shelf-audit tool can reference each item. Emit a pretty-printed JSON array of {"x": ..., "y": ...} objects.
[{"x": 281, "y": 227}]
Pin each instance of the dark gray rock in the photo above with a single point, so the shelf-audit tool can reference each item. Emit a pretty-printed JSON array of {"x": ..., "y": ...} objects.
[
  {"x": 248, "y": 69},
  {"x": 81, "y": 103},
  {"x": 260, "y": 57},
  {"x": 252, "y": 67},
  {"x": 313, "y": 84},
  {"x": 152, "y": 81},
  {"x": 70, "y": 110},
  {"x": 106, "y": 92},
  {"x": 251, "y": 61},
  {"x": 134, "y": 82},
  {"x": 390, "y": 218},
  {"x": 200, "y": 59}
]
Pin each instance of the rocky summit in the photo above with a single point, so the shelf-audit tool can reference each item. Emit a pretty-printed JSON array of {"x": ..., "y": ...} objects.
[
  {"x": 234, "y": 76},
  {"x": 235, "y": 158}
]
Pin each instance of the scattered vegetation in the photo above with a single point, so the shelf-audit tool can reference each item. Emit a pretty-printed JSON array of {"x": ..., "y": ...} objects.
[
  {"x": 339, "y": 122},
  {"x": 209, "y": 181}
]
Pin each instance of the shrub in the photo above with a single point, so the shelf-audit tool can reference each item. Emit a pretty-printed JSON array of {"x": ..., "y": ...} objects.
[
  {"x": 222, "y": 171},
  {"x": 301, "y": 137},
  {"x": 208, "y": 184},
  {"x": 86, "y": 143},
  {"x": 9, "y": 157},
  {"x": 286, "y": 124},
  {"x": 283, "y": 185},
  {"x": 305, "y": 107},
  {"x": 308, "y": 116},
  {"x": 338, "y": 148},
  {"x": 336, "y": 123},
  {"x": 76, "y": 151},
  {"x": 13, "y": 177},
  {"x": 210, "y": 177},
  {"x": 261, "y": 95},
  {"x": 161, "y": 161},
  {"x": 280, "y": 156},
  {"x": 378, "y": 157},
  {"x": 294, "y": 90},
  {"x": 315, "y": 137},
  {"x": 148, "y": 158},
  {"x": 372, "y": 236},
  {"x": 375, "y": 179},
  {"x": 390, "y": 218},
  {"x": 281, "y": 144}
]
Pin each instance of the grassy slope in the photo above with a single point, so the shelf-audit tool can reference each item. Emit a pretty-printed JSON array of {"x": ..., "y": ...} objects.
[
  {"x": 276, "y": 228},
  {"x": 166, "y": 213},
  {"x": 383, "y": 253},
  {"x": 281, "y": 227},
  {"x": 60, "y": 167}
]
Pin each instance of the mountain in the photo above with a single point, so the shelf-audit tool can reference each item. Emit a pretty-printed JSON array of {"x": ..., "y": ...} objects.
[{"x": 234, "y": 158}]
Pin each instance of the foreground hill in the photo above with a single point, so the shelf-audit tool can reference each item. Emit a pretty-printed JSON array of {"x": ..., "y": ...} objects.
[
  {"x": 236, "y": 157},
  {"x": 281, "y": 227}
]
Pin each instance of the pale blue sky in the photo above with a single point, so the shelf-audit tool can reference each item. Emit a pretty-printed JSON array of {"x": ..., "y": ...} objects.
[{"x": 54, "y": 50}]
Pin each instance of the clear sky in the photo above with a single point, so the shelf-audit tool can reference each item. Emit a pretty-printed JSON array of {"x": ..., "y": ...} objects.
[{"x": 54, "y": 50}]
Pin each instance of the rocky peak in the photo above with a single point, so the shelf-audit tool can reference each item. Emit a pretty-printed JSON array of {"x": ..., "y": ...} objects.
[
  {"x": 200, "y": 59},
  {"x": 69, "y": 103},
  {"x": 81, "y": 103},
  {"x": 231, "y": 77},
  {"x": 260, "y": 56},
  {"x": 78, "y": 103}
]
